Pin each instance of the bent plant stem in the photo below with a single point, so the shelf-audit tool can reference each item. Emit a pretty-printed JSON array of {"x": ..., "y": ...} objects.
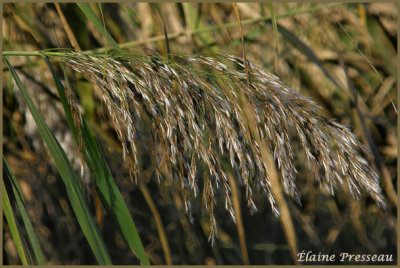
[
  {"x": 67, "y": 28},
  {"x": 154, "y": 210},
  {"x": 284, "y": 215},
  {"x": 276, "y": 188},
  {"x": 238, "y": 218},
  {"x": 159, "y": 224},
  {"x": 156, "y": 214}
]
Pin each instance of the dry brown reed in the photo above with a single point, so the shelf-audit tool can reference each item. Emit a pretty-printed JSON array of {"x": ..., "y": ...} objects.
[{"x": 196, "y": 108}]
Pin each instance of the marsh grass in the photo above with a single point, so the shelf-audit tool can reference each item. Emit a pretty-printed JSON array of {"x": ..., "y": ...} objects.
[
  {"x": 207, "y": 133},
  {"x": 197, "y": 111}
]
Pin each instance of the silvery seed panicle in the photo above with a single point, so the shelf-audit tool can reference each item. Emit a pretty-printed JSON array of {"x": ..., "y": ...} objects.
[{"x": 195, "y": 106}]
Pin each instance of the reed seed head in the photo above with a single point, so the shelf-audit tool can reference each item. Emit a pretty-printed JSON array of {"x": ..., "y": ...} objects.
[{"x": 198, "y": 109}]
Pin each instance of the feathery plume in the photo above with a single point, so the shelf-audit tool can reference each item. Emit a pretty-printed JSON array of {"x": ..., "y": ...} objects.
[{"x": 197, "y": 113}]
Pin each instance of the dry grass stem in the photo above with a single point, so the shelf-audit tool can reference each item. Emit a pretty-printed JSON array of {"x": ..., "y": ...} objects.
[
  {"x": 157, "y": 218},
  {"x": 67, "y": 28},
  {"x": 239, "y": 220}
]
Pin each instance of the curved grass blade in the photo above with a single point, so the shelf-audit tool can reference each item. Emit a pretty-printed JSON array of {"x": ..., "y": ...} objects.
[
  {"x": 69, "y": 178},
  {"x": 159, "y": 224},
  {"x": 157, "y": 6},
  {"x": 103, "y": 179},
  {"x": 274, "y": 26},
  {"x": 87, "y": 10},
  {"x": 112, "y": 197},
  {"x": 37, "y": 250},
  {"x": 306, "y": 50},
  {"x": 20, "y": 243}
]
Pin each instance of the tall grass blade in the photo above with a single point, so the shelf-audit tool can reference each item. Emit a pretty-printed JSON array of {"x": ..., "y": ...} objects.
[
  {"x": 70, "y": 180},
  {"x": 20, "y": 243},
  {"x": 88, "y": 11},
  {"x": 157, "y": 6},
  {"x": 37, "y": 250},
  {"x": 239, "y": 219},
  {"x": 159, "y": 224},
  {"x": 103, "y": 178},
  {"x": 195, "y": 25},
  {"x": 306, "y": 50},
  {"x": 275, "y": 27}
]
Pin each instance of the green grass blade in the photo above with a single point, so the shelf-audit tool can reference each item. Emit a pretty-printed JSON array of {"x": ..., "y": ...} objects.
[
  {"x": 88, "y": 11},
  {"x": 37, "y": 250},
  {"x": 195, "y": 24},
  {"x": 103, "y": 179},
  {"x": 113, "y": 199},
  {"x": 157, "y": 7},
  {"x": 20, "y": 243},
  {"x": 67, "y": 174}
]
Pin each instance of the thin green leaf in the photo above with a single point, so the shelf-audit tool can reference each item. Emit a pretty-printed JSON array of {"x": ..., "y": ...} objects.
[
  {"x": 37, "y": 250},
  {"x": 165, "y": 29},
  {"x": 71, "y": 182},
  {"x": 104, "y": 180},
  {"x": 113, "y": 199},
  {"x": 85, "y": 7},
  {"x": 20, "y": 243},
  {"x": 195, "y": 25}
]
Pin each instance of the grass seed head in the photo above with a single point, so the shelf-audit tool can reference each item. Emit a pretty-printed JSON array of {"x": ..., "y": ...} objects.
[{"x": 197, "y": 113}]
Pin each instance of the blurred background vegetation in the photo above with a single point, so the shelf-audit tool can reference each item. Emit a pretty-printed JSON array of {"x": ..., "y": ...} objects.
[{"x": 316, "y": 49}]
